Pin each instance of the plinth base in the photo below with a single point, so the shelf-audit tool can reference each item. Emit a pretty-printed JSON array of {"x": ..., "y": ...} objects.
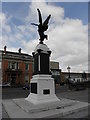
[
  {"x": 42, "y": 90},
  {"x": 21, "y": 108},
  {"x": 37, "y": 99}
]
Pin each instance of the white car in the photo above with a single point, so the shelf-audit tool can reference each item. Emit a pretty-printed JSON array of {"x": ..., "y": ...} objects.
[
  {"x": 6, "y": 84},
  {"x": 76, "y": 80}
]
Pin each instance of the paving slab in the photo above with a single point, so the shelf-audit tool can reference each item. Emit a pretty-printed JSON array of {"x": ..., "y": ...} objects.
[
  {"x": 21, "y": 108},
  {"x": 4, "y": 113},
  {"x": 14, "y": 111}
]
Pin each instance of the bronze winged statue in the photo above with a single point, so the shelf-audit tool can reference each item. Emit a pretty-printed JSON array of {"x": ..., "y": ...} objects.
[{"x": 42, "y": 27}]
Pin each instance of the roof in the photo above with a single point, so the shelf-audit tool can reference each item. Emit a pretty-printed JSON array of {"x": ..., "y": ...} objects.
[{"x": 15, "y": 55}]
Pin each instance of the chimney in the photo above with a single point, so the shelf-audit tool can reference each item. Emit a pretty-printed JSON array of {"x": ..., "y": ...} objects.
[
  {"x": 5, "y": 48},
  {"x": 19, "y": 50}
]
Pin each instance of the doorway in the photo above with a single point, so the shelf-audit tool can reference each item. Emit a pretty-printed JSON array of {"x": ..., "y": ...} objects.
[{"x": 13, "y": 79}]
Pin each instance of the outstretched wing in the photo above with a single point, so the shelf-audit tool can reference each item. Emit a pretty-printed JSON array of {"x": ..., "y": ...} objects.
[
  {"x": 34, "y": 24},
  {"x": 40, "y": 17},
  {"x": 45, "y": 23}
]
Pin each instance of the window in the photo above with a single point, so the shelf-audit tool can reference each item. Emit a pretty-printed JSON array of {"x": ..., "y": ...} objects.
[
  {"x": 17, "y": 66},
  {"x": 10, "y": 65},
  {"x": 27, "y": 66},
  {"x": 13, "y": 65},
  {"x": 55, "y": 72}
]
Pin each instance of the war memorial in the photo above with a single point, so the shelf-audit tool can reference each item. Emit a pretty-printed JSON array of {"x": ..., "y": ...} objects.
[{"x": 42, "y": 101}]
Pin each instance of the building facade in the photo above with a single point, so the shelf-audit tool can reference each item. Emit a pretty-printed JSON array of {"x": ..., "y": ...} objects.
[{"x": 16, "y": 67}]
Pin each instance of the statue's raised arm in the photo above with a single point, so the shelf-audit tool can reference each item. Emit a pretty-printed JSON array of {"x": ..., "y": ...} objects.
[{"x": 42, "y": 27}]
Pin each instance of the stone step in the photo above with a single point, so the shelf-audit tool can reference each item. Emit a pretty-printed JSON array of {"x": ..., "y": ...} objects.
[{"x": 18, "y": 108}]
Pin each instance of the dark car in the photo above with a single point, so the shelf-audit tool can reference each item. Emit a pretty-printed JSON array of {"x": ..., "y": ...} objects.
[
  {"x": 76, "y": 83},
  {"x": 26, "y": 87}
]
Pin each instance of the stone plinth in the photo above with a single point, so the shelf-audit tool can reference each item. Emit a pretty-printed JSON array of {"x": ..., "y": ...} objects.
[
  {"x": 42, "y": 84},
  {"x": 41, "y": 56},
  {"x": 42, "y": 90}
]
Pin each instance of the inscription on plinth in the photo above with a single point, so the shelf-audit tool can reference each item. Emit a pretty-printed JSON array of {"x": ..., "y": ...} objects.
[
  {"x": 34, "y": 88},
  {"x": 46, "y": 92}
]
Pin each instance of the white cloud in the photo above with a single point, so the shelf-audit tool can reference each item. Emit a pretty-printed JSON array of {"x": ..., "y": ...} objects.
[
  {"x": 57, "y": 13},
  {"x": 4, "y": 23},
  {"x": 5, "y": 29},
  {"x": 68, "y": 38}
]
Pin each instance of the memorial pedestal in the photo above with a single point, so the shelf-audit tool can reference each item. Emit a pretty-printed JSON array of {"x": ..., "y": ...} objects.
[
  {"x": 42, "y": 84},
  {"x": 42, "y": 90}
]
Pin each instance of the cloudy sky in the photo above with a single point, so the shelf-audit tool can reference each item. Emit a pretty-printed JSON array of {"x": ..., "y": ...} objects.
[{"x": 67, "y": 33}]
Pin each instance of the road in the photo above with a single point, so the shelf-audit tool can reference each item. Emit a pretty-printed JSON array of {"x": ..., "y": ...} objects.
[
  {"x": 61, "y": 92},
  {"x": 81, "y": 95},
  {"x": 10, "y": 93}
]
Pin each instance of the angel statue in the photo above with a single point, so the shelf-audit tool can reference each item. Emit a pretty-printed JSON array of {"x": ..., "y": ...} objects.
[{"x": 42, "y": 27}]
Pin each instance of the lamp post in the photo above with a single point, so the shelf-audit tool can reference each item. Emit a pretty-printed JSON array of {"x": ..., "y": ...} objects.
[{"x": 68, "y": 68}]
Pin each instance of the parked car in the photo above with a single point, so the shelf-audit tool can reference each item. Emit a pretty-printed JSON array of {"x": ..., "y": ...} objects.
[
  {"x": 76, "y": 80},
  {"x": 26, "y": 87},
  {"x": 76, "y": 83},
  {"x": 6, "y": 84}
]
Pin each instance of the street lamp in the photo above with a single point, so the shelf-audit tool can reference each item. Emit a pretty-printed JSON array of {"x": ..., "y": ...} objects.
[{"x": 68, "y": 68}]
